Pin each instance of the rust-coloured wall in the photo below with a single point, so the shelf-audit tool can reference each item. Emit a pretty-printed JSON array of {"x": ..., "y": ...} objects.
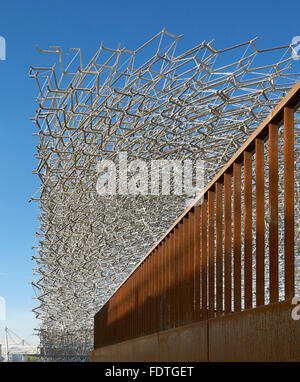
[
  {"x": 267, "y": 333},
  {"x": 180, "y": 344}
]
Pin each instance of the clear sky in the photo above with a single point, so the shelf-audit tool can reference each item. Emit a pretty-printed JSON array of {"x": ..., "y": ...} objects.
[{"x": 24, "y": 24}]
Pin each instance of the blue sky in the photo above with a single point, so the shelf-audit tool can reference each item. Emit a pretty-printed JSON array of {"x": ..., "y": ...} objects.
[{"x": 24, "y": 24}]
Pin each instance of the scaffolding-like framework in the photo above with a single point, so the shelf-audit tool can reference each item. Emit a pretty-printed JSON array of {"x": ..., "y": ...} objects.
[{"x": 152, "y": 103}]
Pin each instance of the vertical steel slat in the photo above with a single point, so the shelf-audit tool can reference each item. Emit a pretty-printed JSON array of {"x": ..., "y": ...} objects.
[
  {"x": 204, "y": 258},
  {"x": 116, "y": 328},
  {"x": 142, "y": 297},
  {"x": 197, "y": 263},
  {"x": 248, "y": 228},
  {"x": 176, "y": 286},
  {"x": 135, "y": 303},
  {"x": 145, "y": 276},
  {"x": 173, "y": 293},
  {"x": 168, "y": 282},
  {"x": 181, "y": 274},
  {"x": 169, "y": 293},
  {"x": 190, "y": 273},
  {"x": 152, "y": 294},
  {"x": 289, "y": 225},
  {"x": 118, "y": 316},
  {"x": 146, "y": 315},
  {"x": 123, "y": 311},
  {"x": 237, "y": 235},
  {"x": 163, "y": 265},
  {"x": 211, "y": 254},
  {"x": 165, "y": 284},
  {"x": 260, "y": 225},
  {"x": 149, "y": 294},
  {"x": 155, "y": 254},
  {"x": 227, "y": 241},
  {"x": 131, "y": 307},
  {"x": 140, "y": 301},
  {"x": 125, "y": 308},
  {"x": 159, "y": 286},
  {"x": 192, "y": 265},
  {"x": 185, "y": 265},
  {"x": 273, "y": 203},
  {"x": 167, "y": 300},
  {"x": 146, "y": 264},
  {"x": 219, "y": 249}
]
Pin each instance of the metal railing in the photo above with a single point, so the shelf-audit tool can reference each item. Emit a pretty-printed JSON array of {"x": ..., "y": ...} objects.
[{"x": 203, "y": 265}]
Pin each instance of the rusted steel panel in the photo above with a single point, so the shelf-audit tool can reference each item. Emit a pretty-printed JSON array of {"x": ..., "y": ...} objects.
[
  {"x": 165, "y": 285},
  {"x": 160, "y": 287},
  {"x": 152, "y": 296},
  {"x": 248, "y": 228},
  {"x": 196, "y": 263},
  {"x": 190, "y": 271},
  {"x": 227, "y": 241},
  {"x": 176, "y": 232},
  {"x": 267, "y": 333},
  {"x": 219, "y": 249},
  {"x": 289, "y": 217},
  {"x": 211, "y": 253},
  {"x": 173, "y": 279},
  {"x": 186, "y": 343},
  {"x": 146, "y": 310},
  {"x": 135, "y": 305},
  {"x": 260, "y": 222},
  {"x": 204, "y": 258},
  {"x": 273, "y": 202},
  {"x": 131, "y": 305},
  {"x": 181, "y": 291},
  {"x": 155, "y": 281},
  {"x": 169, "y": 281},
  {"x": 185, "y": 260},
  {"x": 237, "y": 236},
  {"x": 140, "y": 296}
]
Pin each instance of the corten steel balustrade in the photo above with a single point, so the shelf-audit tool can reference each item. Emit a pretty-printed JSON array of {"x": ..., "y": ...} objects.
[{"x": 195, "y": 295}]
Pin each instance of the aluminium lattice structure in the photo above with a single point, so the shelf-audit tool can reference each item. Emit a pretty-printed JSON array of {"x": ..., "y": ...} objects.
[{"x": 155, "y": 102}]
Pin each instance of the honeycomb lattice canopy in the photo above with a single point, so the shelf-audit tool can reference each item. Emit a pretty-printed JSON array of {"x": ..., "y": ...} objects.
[{"x": 154, "y": 102}]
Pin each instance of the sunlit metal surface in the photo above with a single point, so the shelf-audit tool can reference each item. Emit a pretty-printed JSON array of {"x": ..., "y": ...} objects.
[{"x": 154, "y": 102}]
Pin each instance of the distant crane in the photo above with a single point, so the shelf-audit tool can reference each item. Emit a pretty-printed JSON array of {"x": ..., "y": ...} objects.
[{"x": 9, "y": 332}]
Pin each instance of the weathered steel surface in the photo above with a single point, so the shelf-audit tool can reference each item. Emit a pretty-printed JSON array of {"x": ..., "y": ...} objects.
[
  {"x": 265, "y": 333},
  {"x": 273, "y": 201},
  {"x": 227, "y": 241},
  {"x": 186, "y": 343},
  {"x": 248, "y": 229},
  {"x": 289, "y": 224}
]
